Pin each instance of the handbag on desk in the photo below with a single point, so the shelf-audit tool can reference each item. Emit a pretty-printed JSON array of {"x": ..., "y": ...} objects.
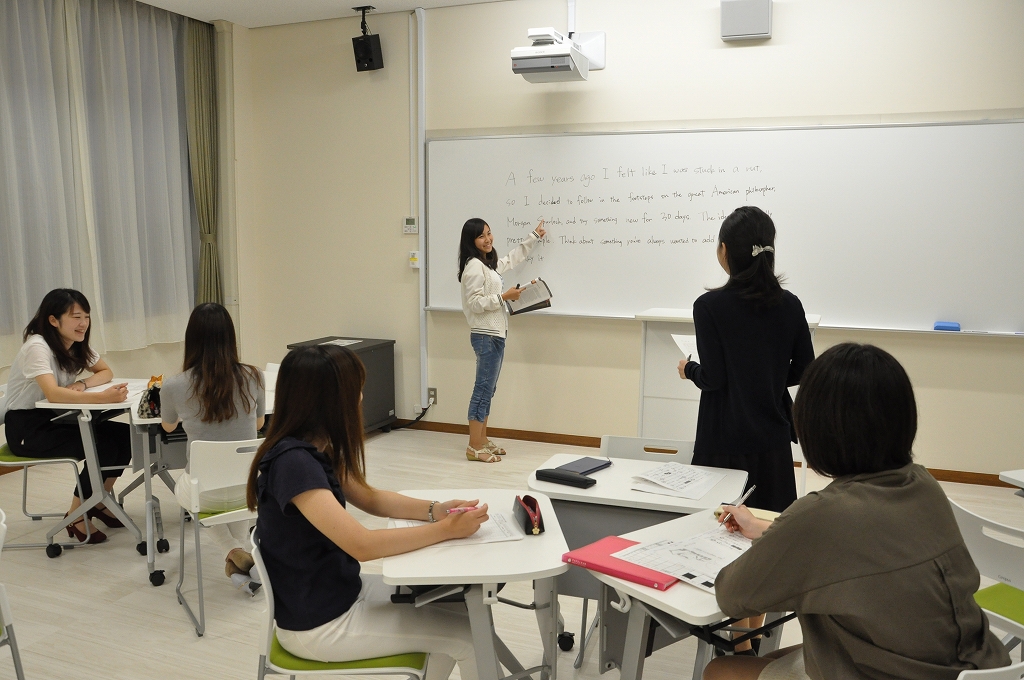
[
  {"x": 527, "y": 513},
  {"x": 149, "y": 402}
]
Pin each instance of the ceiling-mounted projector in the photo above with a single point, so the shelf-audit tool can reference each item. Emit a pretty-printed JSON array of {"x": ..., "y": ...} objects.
[{"x": 554, "y": 58}]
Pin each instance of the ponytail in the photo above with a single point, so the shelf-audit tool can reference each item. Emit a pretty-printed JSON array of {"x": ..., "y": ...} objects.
[{"x": 749, "y": 238}]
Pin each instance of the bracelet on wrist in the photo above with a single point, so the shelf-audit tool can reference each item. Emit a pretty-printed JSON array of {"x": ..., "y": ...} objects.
[{"x": 430, "y": 511}]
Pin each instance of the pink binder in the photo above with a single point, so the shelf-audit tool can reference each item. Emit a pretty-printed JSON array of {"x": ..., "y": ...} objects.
[{"x": 598, "y": 557}]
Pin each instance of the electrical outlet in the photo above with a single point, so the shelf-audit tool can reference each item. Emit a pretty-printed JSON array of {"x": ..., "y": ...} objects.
[{"x": 432, "y": 394}]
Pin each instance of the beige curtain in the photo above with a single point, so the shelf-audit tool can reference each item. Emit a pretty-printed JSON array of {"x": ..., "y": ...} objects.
[{"x": 201, "y": 113}]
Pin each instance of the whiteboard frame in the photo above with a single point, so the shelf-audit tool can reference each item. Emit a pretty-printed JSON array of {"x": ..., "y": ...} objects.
[{"x": 770, "y": 128}]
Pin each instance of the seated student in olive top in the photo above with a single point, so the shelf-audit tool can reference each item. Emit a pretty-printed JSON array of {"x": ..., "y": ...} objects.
[{"x": 874, "y": 564}]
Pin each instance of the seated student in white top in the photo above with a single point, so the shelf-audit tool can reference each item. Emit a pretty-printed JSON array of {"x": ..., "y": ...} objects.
[
  {"x": 215, "y": 398},
  {"x": 48, "y": 365}
]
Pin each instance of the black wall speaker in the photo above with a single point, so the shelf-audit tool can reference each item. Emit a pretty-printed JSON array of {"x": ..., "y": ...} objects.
[{"x": 367, "y": 51}]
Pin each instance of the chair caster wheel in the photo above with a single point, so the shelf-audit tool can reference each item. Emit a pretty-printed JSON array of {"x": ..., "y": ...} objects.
[
  {"x": 162, "y": 545},
  {"x": 157, "y": 577},
  {"x": 54, "y": 550},
  {"x": 141, "y": 548},
  {"x": 566, "y": 641}
]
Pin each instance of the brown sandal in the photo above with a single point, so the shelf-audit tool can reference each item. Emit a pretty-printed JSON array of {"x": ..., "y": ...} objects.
[
  {"x": 238, "y": 562},
  {"x": 482, "y": 455}
]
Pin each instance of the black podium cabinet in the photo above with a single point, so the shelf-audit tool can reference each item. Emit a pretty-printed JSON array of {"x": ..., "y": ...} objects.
[{"x": 379, "y": 391}]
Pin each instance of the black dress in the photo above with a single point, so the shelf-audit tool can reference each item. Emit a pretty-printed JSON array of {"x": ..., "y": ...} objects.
[{"x": 750, "y": 354}]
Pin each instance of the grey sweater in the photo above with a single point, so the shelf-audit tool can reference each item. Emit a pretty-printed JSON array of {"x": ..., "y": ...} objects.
[
  {"x": 876, "y": 569},
  {"x": 178, "y": 403}
]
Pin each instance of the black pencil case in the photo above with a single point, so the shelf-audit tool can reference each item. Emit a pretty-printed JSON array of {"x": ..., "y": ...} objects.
[{"x": 567, "y": 478}]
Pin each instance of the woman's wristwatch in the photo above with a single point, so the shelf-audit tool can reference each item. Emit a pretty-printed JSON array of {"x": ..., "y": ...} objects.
[{"x": 84, "y": 386}]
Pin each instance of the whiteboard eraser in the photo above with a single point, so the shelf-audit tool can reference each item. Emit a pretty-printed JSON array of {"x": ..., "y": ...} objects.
[{"x": 947, "y": 326}]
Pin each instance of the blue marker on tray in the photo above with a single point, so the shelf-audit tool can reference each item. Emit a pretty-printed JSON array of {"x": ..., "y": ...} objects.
[{"x": 947, "y": 326}]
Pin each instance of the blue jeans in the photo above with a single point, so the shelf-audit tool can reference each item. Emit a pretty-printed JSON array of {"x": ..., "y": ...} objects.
[{"x": 490, "y": 350}]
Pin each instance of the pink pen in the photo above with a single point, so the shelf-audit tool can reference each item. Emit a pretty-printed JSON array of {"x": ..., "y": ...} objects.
[{"x": 454, "y": 511}]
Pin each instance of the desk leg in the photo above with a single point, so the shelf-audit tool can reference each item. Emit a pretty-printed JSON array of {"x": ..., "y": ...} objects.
[
  {"x": 154, "y": 523},
  {"x": 638, "y": 631},
  {"x": 482, "y": 625},
  {"x": 545, "y": 597},
  {"x": 702, "y": 659},
  {"x": 99, "y": 494}
]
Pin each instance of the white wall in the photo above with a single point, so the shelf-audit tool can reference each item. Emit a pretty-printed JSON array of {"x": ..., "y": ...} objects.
[{"x": 323, "y": 180}]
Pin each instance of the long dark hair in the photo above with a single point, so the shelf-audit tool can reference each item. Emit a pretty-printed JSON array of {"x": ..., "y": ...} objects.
[
  {"x": 855, "y": 412},
  {"x": 753, "y": 277},
  {"x": 57, "y": 303},
  {"x": 212, "y": 356},
  {"x": 318, "y": 397},
  {"x": 471, "y": 230}
]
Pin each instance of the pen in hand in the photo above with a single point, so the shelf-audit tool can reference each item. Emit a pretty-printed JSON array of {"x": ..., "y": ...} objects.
[
  {"x": 455, "y": 511},
  {"x": 737, "y": 503}
]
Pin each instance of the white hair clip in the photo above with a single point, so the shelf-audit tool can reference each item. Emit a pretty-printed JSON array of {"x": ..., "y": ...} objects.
[{"x": 761, "y": 249}]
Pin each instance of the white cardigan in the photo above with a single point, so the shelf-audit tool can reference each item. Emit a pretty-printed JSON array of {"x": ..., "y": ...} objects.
[{"x": 481, "y": 290}]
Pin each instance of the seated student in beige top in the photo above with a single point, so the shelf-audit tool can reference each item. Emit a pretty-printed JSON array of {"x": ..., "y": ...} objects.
[
  {"x": 215, "y": 398},
  {"x": 874, "y": 564}
]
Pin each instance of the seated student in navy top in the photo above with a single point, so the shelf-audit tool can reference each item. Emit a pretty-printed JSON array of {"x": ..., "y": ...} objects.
[{"x": 307, "y": 470}]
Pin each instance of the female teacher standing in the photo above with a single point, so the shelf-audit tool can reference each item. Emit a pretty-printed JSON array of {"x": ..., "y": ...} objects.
[
  {"x": 753, "y": 341},
  {"x": 483, "y": 303}
]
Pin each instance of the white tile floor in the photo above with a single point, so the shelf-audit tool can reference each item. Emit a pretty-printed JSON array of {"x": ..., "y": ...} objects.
[{"x": 92, "y": 613}]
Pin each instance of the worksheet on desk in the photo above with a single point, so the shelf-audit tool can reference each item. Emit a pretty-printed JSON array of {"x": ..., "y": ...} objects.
[
  {"x": 695, "y": 560},
  {"x": 136, "y": 386},
  {"x": 498, "y": 527},
  {"x": 676, "y": 479}
]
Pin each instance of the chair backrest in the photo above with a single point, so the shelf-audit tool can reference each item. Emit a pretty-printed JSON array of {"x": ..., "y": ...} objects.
[
  {"x": 270, "y": 375},
  {"x": 3, "y": 402},
  {"x": 268, "y": 590},
  {"x": 1014, "y": 671},
  {"x": 221, "y": 465},
  {"x": 3, "y": 529},
  {"x": 997, "y": 549},
  {"x": 642, "y": 448}
]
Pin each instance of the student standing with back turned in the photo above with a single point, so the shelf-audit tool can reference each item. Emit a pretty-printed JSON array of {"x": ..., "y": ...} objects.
[
  {"x": 483, "y": 303},
  {"x": 753, "y": 342}
]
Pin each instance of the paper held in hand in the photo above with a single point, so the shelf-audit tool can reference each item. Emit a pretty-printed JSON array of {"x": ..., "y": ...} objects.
[
  {"x": 687, "y": 344},
  {"x": 695, "y": 560},
  {"x": 676, "y": 479},
  {"x": 498, "y": 527},
  {"x": 534, "y": 295}
]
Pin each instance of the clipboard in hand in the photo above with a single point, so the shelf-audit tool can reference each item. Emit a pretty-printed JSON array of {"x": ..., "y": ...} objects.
[{"x": 532, "y": 296}]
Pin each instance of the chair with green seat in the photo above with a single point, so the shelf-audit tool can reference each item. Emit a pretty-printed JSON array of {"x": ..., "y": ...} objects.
[
  {"x": 276, "y": 660},
  {"x": 218, "y": 473},
  {"x": 998, "y": 552},
  {"x": 9, "y": 460}
]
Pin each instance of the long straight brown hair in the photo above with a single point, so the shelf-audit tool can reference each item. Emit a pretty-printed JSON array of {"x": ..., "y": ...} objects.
[
  {"x": 211, "y": 351},
  {"x": 318, "y": 397}
]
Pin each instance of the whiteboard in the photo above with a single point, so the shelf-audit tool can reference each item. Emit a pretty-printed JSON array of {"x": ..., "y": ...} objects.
[{"x": 891, "y": 227}]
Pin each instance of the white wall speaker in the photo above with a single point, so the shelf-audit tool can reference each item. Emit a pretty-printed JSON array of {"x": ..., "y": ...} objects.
[{"x": 746, "y": 19}]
